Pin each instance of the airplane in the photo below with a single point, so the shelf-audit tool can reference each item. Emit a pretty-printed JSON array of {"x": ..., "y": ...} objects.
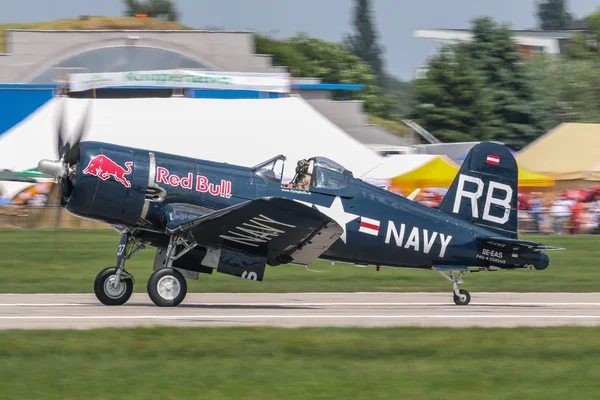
[{"x": 204, "y": 216}]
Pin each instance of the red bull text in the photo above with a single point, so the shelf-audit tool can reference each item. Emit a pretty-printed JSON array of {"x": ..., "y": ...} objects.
[
  {"x": 222, "y": 189},
  {"x": 103, "y": 167}
]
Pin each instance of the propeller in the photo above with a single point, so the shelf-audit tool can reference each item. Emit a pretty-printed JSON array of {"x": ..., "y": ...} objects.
[{"x": 68, "y": 152}]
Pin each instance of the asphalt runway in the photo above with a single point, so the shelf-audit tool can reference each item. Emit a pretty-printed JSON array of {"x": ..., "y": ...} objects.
[{"x": 83, "y": 311}]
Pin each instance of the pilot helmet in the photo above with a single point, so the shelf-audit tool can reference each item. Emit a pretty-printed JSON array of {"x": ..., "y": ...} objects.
[{"x": 300, "y": 164}]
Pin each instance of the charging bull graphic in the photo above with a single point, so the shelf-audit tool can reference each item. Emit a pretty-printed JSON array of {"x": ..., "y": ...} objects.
[{"x": 103, "y": 167}]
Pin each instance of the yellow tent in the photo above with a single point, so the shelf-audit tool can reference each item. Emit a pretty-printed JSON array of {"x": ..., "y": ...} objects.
[
  {"x": 569, "y": 152},
  {"x": 529, "y": 178},
  {"x": 438, "y": 172}
]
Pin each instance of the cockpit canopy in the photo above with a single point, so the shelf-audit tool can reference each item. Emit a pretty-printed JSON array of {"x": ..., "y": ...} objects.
[
  {"x": 272, "y": 169},
  {"x": 326, "y": 176}
]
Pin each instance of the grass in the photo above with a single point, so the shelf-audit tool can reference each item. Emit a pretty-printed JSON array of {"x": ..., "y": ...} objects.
[
  {"x": 316, "y": 363},
  {"x": 93, "y": 23},
  {"x": 67, "y": 261}
]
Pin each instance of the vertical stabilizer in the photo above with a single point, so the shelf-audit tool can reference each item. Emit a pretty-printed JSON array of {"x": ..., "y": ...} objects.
[{"x": 485, "y": 189}]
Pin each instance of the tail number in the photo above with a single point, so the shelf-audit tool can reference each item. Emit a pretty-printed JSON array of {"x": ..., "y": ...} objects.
[{"x": 489, "y": 200}]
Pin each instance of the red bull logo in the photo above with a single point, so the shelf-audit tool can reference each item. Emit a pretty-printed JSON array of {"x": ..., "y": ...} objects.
[
  {"x": 103, "y": 167},
  {"x": 222, "y": 188}
]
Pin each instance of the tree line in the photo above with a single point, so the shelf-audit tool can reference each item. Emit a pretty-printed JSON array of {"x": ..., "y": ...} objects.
[{"x": 483, "y": 89}]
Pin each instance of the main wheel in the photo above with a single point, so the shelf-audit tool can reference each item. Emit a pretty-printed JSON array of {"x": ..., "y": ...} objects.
[
  {"x": 167, "y": 287},
  {"x": 107, "y": 293},
  {"x": 463, "y": 299}
]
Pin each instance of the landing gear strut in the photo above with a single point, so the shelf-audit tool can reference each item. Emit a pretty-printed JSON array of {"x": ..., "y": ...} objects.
[
  {"x": 461, "y": 296},
  {"x": 113, "y": 285},
  {"x": 167, "y": 287}
]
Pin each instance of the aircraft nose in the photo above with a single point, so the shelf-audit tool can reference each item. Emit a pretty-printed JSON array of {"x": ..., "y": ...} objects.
[{"x": 50, "y": 167}]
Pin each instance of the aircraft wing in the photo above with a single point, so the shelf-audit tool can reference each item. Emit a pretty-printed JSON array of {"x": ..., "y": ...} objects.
[
  {"x": 279, "y": 229},
  {"x": 515, "y": 245}
]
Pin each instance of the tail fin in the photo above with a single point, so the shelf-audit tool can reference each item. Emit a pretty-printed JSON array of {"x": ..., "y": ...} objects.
[{"x": 485, "y": 190}]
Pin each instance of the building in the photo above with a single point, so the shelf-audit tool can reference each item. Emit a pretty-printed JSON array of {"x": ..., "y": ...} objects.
[
  {"x": 39, "y": 60},
  {"x": 529, "y": 41}
]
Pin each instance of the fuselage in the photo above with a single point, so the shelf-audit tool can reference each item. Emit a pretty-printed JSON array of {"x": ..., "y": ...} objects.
[{"x": 380, "y": 227}]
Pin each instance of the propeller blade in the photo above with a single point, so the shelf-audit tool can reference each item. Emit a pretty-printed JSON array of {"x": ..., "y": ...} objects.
[
  {"x": 55, "y": 195},
  {"x": 72, "y": 155},
  {"x": 60, "y": 129}
]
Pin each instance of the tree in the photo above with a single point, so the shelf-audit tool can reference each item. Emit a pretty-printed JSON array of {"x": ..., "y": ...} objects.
[
  {"x": 363, "y": 43},
  {"x": 553, "y": 15},
  {"x": 330, "y": 62},
  {"x": 585, "y": 45},
  {"x": 569, "y": 89},
  {"x": 495, "y": 55},
  {"x": 452, "y": 100},
  {"x": 153, "y": 8}
]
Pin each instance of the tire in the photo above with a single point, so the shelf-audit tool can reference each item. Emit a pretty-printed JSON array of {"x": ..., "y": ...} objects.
[
  {"x": 464, "y": 299},
  {"x": 106, "y": 293},
  {"x": 167, "y": 287}
]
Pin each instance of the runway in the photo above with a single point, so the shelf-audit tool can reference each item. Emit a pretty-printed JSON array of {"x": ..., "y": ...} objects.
[{"x": 83, "y": 311}]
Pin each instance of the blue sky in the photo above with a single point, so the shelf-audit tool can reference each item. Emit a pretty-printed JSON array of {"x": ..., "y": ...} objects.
[{"x": 327, "y": 19}]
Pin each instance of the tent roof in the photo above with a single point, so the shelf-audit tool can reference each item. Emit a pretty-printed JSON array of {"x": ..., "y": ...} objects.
[
  {"x": 411, "y": 171},
  {"x": 439, "y": 172},
  {"x": 237, "y": 131},
  {"x": 569, "y": 151},
  {"x": 400, "y": 164},
  {"x": 529, "y": 178}
]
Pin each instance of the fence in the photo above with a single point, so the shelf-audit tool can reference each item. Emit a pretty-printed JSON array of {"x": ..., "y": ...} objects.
[{"x": 43, "y": 217}]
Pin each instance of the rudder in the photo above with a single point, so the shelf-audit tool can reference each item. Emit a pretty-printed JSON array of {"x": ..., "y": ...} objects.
[{"x": 485, "y": 189}]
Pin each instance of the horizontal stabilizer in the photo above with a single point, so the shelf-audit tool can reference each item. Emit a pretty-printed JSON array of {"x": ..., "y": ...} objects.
[{"x": 516, "y": 245}]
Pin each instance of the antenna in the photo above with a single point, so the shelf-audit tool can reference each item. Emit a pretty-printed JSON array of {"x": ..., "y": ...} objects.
[{"x": 421, "y": 131}]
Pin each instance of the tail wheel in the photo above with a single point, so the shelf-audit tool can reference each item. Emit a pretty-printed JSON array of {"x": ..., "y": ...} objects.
[
  {"x": 106, "y": 291},
  {"x": 463, "y": 299},
  {"x": 167, "y": 287}
]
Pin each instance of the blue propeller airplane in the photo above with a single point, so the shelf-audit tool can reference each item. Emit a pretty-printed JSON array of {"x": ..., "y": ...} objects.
[{"x": 203, "y": 216}]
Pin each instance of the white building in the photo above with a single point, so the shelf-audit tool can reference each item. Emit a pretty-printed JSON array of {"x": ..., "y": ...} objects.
[{"x": 529, "y": 41}]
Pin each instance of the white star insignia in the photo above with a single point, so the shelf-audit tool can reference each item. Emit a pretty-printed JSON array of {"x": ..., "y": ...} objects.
[{"x": 338, "y": 214}]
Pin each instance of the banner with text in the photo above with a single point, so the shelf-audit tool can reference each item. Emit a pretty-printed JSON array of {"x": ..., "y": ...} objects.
[{"x": 189, "y": 79}]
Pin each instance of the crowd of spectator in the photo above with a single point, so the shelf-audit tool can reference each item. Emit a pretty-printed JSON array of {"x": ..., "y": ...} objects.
[
  {"x": 570, "y": 212},
  {"x": 573, "y": 212}
]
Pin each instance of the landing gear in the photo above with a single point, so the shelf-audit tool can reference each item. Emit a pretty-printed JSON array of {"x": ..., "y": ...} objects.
[
  {"x": 461, "y": 297},
  {"x": 113, "y": 285},
  {"x": 167, "y": 287},
  {"x": 107, "y": 292}
]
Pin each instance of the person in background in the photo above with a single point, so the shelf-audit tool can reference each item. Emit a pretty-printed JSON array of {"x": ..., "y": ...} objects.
[
  {"x": 536, "y": 207},
  {"x": 595, "y": 212},
  {"x": 560, "y": 213}
]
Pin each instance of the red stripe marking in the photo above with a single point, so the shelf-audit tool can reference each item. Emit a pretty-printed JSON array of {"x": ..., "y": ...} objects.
[
  {"x": 492, "y": 159},
  {"x": 368, "y": 225}
]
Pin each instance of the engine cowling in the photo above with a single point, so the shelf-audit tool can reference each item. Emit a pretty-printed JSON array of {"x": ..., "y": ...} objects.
[{"x": 110, "y": 184}]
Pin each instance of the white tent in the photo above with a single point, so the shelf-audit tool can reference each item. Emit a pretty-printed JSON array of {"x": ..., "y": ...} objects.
[{"x": 237, "y": 131}]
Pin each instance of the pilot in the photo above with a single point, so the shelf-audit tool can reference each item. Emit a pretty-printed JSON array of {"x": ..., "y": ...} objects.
[{"x": 302, "y": 178}]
